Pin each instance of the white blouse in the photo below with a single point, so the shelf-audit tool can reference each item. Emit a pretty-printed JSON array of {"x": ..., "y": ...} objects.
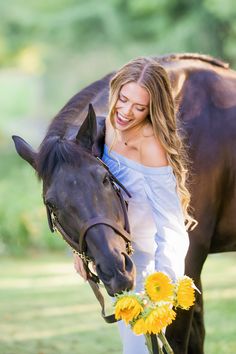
[{"x": 159, "y": 237}]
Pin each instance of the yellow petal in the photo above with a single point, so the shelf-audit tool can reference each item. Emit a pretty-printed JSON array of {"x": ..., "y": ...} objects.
[
  {"x": 185, "y": 296},
  {"x": 158, "y": 287}
]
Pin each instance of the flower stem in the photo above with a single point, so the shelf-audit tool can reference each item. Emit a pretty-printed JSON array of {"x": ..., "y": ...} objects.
[
  {"x": 165, "y": 343},
  {"x": 148, "y": 343}
]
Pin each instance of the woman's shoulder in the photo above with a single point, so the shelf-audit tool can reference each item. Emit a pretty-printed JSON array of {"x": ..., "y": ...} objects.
[{"x": 152, "y": 153}]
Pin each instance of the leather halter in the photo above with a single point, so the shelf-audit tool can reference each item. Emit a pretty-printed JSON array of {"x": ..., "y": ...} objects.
[{"x": 80, "y": 248}]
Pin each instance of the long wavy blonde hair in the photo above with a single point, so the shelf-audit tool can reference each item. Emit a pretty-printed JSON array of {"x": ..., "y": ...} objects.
[{"x": 152, "y": 76}]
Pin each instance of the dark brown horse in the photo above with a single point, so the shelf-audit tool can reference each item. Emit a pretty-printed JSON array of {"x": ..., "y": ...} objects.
[
  {"x": 83, "y": 201},
  {"x": 205, "y": 92}
]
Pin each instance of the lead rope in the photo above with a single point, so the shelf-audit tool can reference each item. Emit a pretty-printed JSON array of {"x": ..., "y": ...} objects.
[
  {"x": 94, "y": 281},
  {"x": 100, "y": 298}
]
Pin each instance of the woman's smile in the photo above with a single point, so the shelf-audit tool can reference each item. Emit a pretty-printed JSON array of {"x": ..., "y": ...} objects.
[
  {"x": 121, "y": 120},
  {"x": 132, "y": 106}
]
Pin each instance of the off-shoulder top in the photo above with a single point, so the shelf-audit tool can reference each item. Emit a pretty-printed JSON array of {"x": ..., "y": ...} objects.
[{"x": 159, "y": 237}]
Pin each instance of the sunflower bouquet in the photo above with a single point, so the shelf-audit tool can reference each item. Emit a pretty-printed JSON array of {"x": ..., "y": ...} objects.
[{"x": 151, "y": 311}]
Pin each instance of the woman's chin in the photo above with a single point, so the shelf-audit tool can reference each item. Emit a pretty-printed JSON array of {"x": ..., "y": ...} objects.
[{"x": 121, "y": 127}]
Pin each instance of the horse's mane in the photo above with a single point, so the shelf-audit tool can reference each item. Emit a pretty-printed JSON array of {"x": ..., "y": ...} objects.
[
  {"x": 195, "y": 56},
  {"x": 54, "y": 152}
]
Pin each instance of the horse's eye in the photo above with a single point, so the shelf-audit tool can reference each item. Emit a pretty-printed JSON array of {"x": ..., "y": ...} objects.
[{"x": 106, "y": 180}]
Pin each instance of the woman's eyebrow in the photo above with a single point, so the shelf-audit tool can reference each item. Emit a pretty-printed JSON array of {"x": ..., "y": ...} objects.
[{"x": 139, "y": 104}]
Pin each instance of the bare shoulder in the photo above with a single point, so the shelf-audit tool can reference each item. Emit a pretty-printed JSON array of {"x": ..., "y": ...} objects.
[{"x": 152, "y": 152}]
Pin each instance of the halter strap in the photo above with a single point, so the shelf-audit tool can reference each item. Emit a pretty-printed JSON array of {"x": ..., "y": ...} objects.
[
  {"x": 101, "y": 221},
  {"x": 79, "y": 248}
]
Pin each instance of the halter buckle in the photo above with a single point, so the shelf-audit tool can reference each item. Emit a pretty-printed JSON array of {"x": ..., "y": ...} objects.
[{"x": 129, "y": 248}]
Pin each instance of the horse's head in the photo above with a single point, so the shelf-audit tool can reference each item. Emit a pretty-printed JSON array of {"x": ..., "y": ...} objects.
[{"x": 81, "y": 196}]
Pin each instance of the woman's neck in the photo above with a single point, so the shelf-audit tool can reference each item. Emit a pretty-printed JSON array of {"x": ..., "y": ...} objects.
[{"x": 126, "y": 137}]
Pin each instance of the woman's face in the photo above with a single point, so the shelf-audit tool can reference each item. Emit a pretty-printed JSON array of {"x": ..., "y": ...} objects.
[{"x": 132, "y": 106}]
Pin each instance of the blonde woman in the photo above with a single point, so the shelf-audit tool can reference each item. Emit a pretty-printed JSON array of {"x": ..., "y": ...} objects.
[{"x": 144, "y": 151}]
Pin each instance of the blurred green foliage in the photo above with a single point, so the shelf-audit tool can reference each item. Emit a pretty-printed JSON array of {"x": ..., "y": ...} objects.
[
  {"x": 23, "y": 225},
  {"x": 69, "y": 43},
  {"x": 49, "y": 50},
  {"x": 76, "y": 25}
]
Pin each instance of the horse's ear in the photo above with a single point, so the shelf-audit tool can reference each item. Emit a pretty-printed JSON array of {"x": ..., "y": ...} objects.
[
  {"x": 88, "y": 131},
  {"x": 25, "y": 150}
]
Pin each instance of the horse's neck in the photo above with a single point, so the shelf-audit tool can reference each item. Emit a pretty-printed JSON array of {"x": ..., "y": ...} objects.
[
  {"x": 67, "y": 122},
  {"x": 214, "y": 83},
  {"x": 71, "y": 131}
]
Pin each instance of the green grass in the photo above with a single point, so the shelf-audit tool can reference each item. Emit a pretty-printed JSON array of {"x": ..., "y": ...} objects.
[
  {"x": 45, "y": 308},
  {"x": 219, "y": 276}
]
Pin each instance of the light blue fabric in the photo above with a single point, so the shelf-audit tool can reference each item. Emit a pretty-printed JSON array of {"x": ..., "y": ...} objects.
[{"x": 159, "y": 238}]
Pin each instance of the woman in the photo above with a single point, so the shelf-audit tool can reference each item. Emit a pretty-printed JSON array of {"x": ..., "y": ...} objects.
[{"x": 144, "y": 151}]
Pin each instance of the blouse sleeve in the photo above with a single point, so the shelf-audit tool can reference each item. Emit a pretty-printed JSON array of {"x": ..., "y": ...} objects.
[{"x": 171, "y": 237}]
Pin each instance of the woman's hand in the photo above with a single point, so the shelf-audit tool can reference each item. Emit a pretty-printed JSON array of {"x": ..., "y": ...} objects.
[{"x": 79, "y": 266}]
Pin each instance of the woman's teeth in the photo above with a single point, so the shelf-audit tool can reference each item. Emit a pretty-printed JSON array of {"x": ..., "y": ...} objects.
[{"x": 123, "y": 119}]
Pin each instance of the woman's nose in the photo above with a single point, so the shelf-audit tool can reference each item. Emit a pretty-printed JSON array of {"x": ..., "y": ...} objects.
[{"x": 127, "y": 109}]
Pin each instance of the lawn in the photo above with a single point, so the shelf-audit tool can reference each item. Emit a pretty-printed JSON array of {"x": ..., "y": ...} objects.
[{"x": 45, "y": 308}]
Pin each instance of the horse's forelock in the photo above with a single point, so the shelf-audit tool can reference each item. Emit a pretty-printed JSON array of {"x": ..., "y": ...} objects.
[{"x": 54, "y": 152}]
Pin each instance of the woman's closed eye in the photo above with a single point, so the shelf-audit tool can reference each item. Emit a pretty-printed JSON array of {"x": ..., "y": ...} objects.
[
  {"x": 122, "y": 99},
  {"x": 140, "y": 109}
]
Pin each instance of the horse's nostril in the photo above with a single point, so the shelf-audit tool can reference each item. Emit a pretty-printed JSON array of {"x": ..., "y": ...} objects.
[
  {"x": 128, "y": 263},
  {"x": 104, "y": 276}
]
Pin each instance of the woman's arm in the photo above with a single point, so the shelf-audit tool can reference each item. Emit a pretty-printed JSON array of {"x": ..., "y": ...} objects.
[
  {"x": 79, "y": 266},
  {"x": 171, "y": 237}
]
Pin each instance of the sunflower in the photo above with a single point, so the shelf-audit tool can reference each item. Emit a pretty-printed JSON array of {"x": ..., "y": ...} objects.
[
  {"x": 158, "y": 287},
  {"x": 127, "y": 308},
  {"x": 185, "y": 293},
  {"x": 158, "y": 318},
  {"x": 139, "y": 327}
]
